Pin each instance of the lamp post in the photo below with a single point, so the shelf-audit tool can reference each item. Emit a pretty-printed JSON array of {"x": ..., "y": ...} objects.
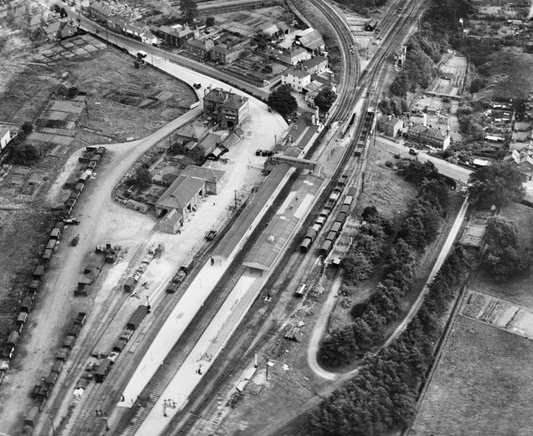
[{"x": 52, "y": 424}]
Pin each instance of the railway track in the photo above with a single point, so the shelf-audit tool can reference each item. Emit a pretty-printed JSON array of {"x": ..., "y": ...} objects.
[
  {"x": 104, "y": 396},
  {"x": 188, "y": 420},
  {"x": 192, "y": 333}
]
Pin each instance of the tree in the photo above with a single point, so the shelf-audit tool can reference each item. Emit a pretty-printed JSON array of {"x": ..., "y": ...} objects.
[
  {"x": 495, "y": 185},
  {"x": 504, "y": 257},
  {"x": 324, "y": 99},
  {"x": 210, "y": 21},
  {"x": 143, "y": 178},
  {"x": 24, "y": 154},
  {"x": 26, "y": 128},
  {"x": 282, "y": 100},
  {"x": 189, "y": 11}
]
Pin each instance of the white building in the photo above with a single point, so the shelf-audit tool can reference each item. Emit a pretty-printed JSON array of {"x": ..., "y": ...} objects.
[{"x": 296, "y": 78}]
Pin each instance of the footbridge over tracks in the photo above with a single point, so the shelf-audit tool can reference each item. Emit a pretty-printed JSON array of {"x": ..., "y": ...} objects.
[{"x": 298, "y": 162}]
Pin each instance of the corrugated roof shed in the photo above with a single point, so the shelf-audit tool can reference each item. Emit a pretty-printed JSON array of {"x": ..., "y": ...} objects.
[{"x": 237, "y": 231}]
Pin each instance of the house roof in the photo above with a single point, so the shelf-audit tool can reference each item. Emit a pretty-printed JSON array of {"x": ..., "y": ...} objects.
[
  {"x": 53, "y": 28},
  {"x": 297, "y": 72},
  {"x": 430, "y": 132},
  {"x": 225, "y": 98},
  {"x": 385, "y": 121},
  {"x": 199, "y": 43},
  {"x": 181, "y": 192},
  {"x": 194, "y": 130},
  {"x": 314, "y": 62},
  {"x": 235, "y": 101},
  {"x": 282, "y": 26}
]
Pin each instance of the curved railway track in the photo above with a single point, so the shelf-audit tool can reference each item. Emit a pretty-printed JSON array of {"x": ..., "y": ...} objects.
[{"x": 104, "y": 396}]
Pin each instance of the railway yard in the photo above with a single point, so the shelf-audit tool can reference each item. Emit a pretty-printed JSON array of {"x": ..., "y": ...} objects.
[{"x": 211, "y": 329}]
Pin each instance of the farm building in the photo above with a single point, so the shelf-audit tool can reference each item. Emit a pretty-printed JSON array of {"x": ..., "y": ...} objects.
[{"x": 227, "y": 108}]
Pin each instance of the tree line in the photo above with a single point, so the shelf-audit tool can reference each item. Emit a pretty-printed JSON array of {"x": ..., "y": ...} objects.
[
  {"x": 382, "y": 396},
  {"x": 418, "y": 228}
]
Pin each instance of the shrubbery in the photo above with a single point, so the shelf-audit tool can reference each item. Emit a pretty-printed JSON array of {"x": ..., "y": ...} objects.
[
  {"x": 418, "y": 229},
  {"x": 382, "y": 396}
]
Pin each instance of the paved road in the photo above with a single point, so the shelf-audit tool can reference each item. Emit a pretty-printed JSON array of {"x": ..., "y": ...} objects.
[
  {"x": 133, "y": 46},
  {"x": 448, "y": 169}
]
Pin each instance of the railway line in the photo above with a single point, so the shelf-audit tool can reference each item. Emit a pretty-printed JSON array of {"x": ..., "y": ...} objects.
[
  {"x": 189, "y": 420},
  {"x": 106, "y": 395}
]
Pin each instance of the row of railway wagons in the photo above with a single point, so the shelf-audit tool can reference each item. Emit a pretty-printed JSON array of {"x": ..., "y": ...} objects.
[{"x": 335, "y": 230}]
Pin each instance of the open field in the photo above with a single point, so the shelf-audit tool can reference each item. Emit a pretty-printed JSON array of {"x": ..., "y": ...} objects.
[
  {"x": 124, "y": 103},
  {"x": 483, "y": 384}
]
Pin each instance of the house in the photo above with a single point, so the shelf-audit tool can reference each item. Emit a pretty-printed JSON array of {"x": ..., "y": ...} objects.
[
  {"x": 175, "y": 36},
  {"x": 68, "y": 31},
  {"x": 431, "y": 136},
  {"x": 311, "y": 40},
  {"x": 293, "y": 55},
  {"x": 283, "y": 28},
  {"x": 185, "y": 194},
  {"x": 389, "y": 125},
  {"x": 142, "y": 34},
  {"x": 190, "y": 132},
  {"x": 171, "y": 222},
  {"x": 52, "y": 31},
  {"x": 199, "y": 47},
  {"x": 225, "y": 54},
  {"x": 100, "y": 12},
  {"x": 270, "y": 29},
  {"x": 315, "y": 65},
  {"x": 5, "y": 137},
  {"x": 227, "y": 108},
  {"x": 297, "y": 78}
]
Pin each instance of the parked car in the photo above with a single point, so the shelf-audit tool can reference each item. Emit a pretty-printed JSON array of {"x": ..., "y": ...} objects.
[
  {"x": 197, "y": 85},
  {"x": 413, "y": 151}
]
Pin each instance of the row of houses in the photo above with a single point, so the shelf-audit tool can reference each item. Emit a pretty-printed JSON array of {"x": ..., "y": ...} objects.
[{"x": 421, "y": 134}]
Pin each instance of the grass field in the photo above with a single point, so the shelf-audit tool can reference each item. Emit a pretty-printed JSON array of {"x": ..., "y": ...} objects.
[{"x": 483, "y": 384}]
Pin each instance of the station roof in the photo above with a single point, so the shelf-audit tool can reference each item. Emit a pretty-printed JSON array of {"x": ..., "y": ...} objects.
[
  {"x": 244, "y": 221},
  {"x": 271, "y": 243},
  {"x": 278, "y": 232}
]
